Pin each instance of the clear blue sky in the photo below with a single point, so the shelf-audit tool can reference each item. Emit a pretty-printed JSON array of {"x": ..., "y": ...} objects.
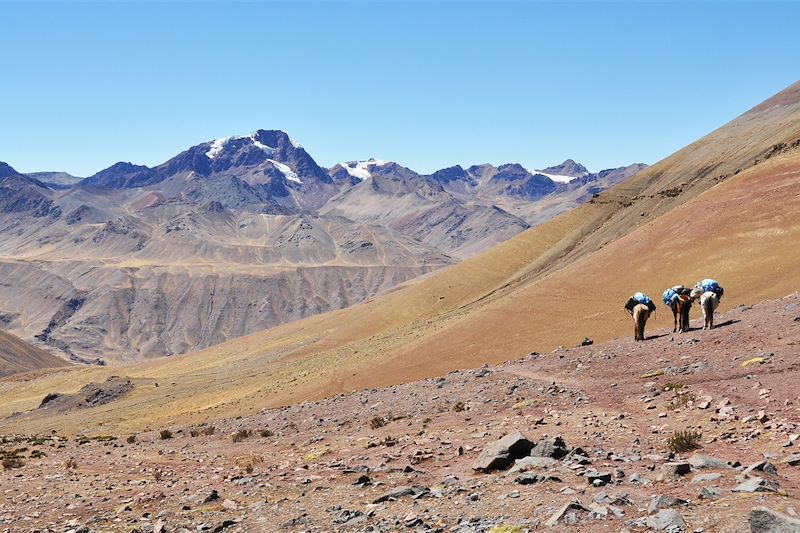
[{"x": 83, "y": 85}]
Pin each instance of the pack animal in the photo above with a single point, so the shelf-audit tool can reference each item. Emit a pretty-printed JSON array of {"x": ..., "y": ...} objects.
[
  {"x": 641, "y": 313},
  {"x": 709, "y": 301}
]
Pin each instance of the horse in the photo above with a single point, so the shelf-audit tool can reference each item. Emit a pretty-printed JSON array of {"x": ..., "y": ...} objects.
[
  {"x": 640, "y": 315},
  {"x": 680, "y": 304},
  {"x": 680, "y": 313},
  {"x": 709, "y": 301}
]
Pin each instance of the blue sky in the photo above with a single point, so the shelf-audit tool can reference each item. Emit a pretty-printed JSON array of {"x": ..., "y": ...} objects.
[{"x": 83, "y": 85}]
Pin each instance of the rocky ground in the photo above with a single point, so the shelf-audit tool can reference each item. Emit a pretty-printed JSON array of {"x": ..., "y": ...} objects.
[{"x": 682, "y": 432}]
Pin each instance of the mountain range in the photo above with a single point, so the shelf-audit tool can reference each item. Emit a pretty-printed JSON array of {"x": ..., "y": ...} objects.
[{"x": 240, "y": 234}]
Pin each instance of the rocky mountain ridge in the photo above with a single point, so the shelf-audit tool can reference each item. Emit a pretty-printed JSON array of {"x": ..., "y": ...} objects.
[{"x": 250, "y": 231}]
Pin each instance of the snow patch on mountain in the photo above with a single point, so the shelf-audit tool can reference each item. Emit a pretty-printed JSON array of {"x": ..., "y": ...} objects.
[
  {"x": 258, "y": 144},
  {"x": 216, "y": 147},
  {"x": 286, "y": 171},
  {"x": 555, "y": 177},
  {"x": 360, "y": 169}
]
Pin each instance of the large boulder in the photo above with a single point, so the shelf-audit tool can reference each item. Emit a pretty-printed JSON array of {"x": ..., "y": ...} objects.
[
  {"x": 763, "y": 520},
  {"x": 500, "y": 454}
]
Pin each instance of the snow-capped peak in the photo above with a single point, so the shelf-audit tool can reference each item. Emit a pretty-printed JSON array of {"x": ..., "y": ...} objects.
[
  {"x": 216, "y": 147},
  {"x": 286, "y": 171},
  {"x": 360, "y": 169},
  {"x": 555, "y": 177},
  {"x": 295, "y": 143}
]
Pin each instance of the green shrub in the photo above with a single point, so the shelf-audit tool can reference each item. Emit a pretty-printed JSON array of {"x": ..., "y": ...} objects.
[{"x": 684, "y": 441}]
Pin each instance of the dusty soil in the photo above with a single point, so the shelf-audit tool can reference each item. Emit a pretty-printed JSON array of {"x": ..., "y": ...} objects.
[{"x": 300, "y": 473}]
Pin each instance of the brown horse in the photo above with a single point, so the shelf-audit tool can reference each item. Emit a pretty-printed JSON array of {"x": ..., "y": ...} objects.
[
  {"x": 680, "y": 313},
  {"x": 640, "y": 315}
]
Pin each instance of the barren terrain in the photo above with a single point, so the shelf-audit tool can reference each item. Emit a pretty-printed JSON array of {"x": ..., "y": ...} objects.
[{"x": 401, "y": 458}]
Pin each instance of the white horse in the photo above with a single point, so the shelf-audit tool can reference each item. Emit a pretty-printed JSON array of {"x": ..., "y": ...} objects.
[{"x": 708, "y": 303}]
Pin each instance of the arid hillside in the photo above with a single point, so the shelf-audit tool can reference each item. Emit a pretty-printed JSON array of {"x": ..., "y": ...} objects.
[
  {"x": 722, "y": 207},
  {"x": 17, "y": 355}
]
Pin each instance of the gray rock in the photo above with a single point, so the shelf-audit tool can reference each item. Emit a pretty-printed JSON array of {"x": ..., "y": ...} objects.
[
  {"x": 530, "y": 479},
  {"x": 761, "y": 466},
  {"x": 529, "y": 463},
  {"x": 563, "y": 511},
  {"x": 668, "y": 520},
  {"x": 670, "y": 471},
  {"x": 763, "y": 520},
  {"x": 792, "y": 460},
  {"x": 611, "y": 500},
  {"x": 554, "y": 447},
  {"x": 704, "y": 461},
  {"x": 757, "y": 484},
  {"x": 663, "y": 501},
  {"x": 702, "y": 478},
  {"x": 502, "y": 453},
  {"x": 710, "y": 493},
  {"x": 399, "y": 492},
  {"x": 594, "y": 476}
]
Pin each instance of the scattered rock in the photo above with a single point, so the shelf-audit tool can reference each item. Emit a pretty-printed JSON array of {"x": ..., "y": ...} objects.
[
  {"x": 763, "y": 520},
  {"x": 703, "y": 478},
  {"x": 528, "y": 463},
  {"x": 598, "y": 478},
  {"x": 663, "y": 501},
  {"x": 562, "y": 511},
  {"x": 212, "y": 496},
  {"x": 671, "y": 471},
  {"x": 710, "y": 493},
  {"x": 792, "y": 460},
  {"x": 502, "y": 453},
  {"x": 761, "y": 466},
  {"x": 668, "y": 520},
  {"x": 757, "y": 484},
  {"x": 399, "y": 492},
  {"x": 705, "y": 461},
  {"x": 530, "y": 479},
  {"x": 554, "y": 448}
]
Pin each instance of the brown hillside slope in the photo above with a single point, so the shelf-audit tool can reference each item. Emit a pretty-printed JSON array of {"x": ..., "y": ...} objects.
[
  {"x": 17, "y": 355},
  {"x": 549, "y": 286}
]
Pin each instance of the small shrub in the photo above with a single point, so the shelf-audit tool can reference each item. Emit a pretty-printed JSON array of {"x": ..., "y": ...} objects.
[
  {"x": 265, "y": 433},
  {"x": 377, "y": 422},
  {"x": 158, "y": 474},
  {"x": 388, "y": 440},
  {"x": 240, "y": 435},
  {"x": 165, "y": 434},
  {"x": 426, "y": 422},
  {"x": 681, "y": 400},
  {"x": 672, "y": 386},
  {"x": 202, "y": 430},
  {"x": 684, "y": 441},
  {"x": 459, "y": 406},
  {"x": 36, "y": 454},
  {"x": 12, "y": 461},
  {"x": 248, "y": 468},
  {"x": 71, "y": 464},
  {"x": 131, "y": 439},
  {"x": 503, "y": 528}
]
